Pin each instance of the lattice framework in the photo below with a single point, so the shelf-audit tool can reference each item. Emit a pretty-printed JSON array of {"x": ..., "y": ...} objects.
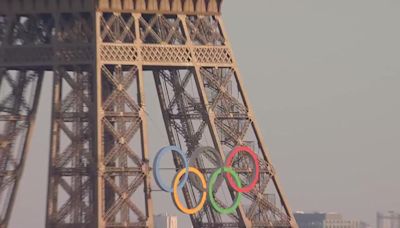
[{"x": 96, "y": 52}]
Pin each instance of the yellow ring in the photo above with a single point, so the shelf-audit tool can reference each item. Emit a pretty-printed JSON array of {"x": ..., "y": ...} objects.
[{"x": 176, "y": 197}]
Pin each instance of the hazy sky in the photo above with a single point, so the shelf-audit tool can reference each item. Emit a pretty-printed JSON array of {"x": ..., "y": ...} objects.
[{"x": 324, "y": 78}]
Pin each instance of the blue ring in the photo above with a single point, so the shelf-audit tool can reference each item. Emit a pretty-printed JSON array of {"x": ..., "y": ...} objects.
[{"x": 156, "y": 170}]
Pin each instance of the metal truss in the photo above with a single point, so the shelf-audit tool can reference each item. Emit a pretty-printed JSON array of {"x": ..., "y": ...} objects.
[
  {"x": 72, "y": 176},
  {"x": 124, "y": 165},
  {"x": 19, "y": 92},
  {"x": 97, "y": 52}
]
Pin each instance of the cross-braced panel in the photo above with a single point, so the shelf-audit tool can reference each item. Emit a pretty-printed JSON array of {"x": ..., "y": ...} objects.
[
  {"x": 205, "y": 30},
  {"x": 117, "y": 28},
  {"x": 183, "y": 106},
  {"x": 31, "y": 29},
  {"x": 46, "y": 39},
  {"x": 19, "y": 91},
  {"x": 125, "y": 168},
  {"x": 21, "y": 35},
  {"x": 235, "y": 128},
  {"x": 161, "y": 29},
  {"x": 71, "y": 180},
  {"x": 75, "y": 28}
]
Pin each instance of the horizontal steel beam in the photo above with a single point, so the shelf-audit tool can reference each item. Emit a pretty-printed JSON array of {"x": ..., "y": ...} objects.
[
  {"x": 205, "y": 7},
  {"x": 46, "y": 56}
]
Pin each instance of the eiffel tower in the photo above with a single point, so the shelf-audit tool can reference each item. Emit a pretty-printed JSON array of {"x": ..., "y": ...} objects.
[{"x": 96, "y": 53}]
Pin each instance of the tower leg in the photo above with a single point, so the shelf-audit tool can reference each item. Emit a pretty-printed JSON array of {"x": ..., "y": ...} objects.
[
  {"x": 179, "y": 109},
  {"x": 122, "y": 154},
  {"x": 70, "y": 197},
  {"x": 19, "y": 94},
  {"x": 207, "y": 105},
  {"x": 265, "y": 205},
  {"x": 187, "y": 124}
]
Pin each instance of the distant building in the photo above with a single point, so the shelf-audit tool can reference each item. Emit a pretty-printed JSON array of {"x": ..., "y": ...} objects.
[
  {"x": 165, "y": 221},
  {"x": 335, "y": 220},
  {"x": 326, "y": 220},
  {"x": 388, "y": 220},
  {"x": 310, "y": 220}
]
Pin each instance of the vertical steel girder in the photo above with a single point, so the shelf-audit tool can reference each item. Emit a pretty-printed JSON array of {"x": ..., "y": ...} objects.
[
  {"x": 99, "y": 168},
  {"x": 124, "y": 165},
  {"x": 20, "y": 91},
  {"x": 71, "y": 174}
]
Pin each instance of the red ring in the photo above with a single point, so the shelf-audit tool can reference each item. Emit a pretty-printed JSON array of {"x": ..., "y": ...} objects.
[{"x": 228, "y": 162}]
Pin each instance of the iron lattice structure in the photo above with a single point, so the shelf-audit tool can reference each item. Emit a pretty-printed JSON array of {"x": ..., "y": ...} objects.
[{"x": 96, "y": 52}]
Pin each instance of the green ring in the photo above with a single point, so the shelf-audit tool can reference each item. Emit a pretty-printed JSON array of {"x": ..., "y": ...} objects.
[{"x": 212, "y": 181}]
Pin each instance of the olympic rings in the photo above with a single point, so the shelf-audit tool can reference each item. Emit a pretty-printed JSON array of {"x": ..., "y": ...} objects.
[
  {"x": 156, "y": 170},
  {"x": 238, "y": 198},
  {"x": 216, "y": 159},
  {"x": 255, "y": 174},
  {"x": 215, "y": 180},
  {"x": 175, "y": 193}
]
